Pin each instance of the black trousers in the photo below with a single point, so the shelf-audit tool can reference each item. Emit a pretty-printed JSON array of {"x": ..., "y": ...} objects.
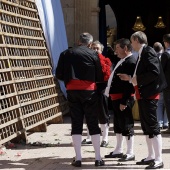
[
  {"x": 103, "y": 112},
  {"x": 84, "y": 103},
  {"x": 148, "y": 117},
  {"x": 123, "y": 120}
]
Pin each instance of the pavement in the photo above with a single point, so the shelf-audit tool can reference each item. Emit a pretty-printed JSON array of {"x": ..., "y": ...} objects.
[{"x": 53, "y": 150}]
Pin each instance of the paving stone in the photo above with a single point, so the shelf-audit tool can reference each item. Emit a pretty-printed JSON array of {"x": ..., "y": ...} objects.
[{"x": 54, "y": 151}]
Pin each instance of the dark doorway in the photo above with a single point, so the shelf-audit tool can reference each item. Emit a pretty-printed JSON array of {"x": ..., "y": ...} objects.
[{"x": 127, "y": 11}]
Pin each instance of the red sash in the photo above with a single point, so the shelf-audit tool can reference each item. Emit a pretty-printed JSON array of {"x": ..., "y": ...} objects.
[
  {"x": 81, "y": 85},
  {"x": 117, "y": 96},
  {"x": 137, "y": 94}
]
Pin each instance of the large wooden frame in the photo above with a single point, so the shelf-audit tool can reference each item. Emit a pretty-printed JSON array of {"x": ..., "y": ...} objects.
[{"x": 29, "y": 96}]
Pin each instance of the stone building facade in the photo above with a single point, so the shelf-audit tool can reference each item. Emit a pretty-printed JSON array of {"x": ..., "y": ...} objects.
[{"x": 80, "y": 16}]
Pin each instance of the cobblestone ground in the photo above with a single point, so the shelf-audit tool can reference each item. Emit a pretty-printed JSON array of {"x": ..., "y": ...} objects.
[{"x": 52, "y": 150}]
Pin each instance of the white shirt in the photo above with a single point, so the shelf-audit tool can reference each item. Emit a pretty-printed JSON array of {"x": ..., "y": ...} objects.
[{"x": 111, "y": 75}]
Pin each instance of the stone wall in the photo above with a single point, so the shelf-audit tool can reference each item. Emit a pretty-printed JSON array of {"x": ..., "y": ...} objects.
[{"x": 80, "y": 16}]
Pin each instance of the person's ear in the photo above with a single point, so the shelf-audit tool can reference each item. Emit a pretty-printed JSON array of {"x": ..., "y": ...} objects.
[
  {"x": 89, "y": 45},
  {"x": 78, "y": 42}
]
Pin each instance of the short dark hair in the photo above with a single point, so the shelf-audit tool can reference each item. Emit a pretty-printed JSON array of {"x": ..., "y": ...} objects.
[
  {"x": 124, "y": 42},
  {"x": 166, "y": 38},
  {"x": 86, "y": 38}
]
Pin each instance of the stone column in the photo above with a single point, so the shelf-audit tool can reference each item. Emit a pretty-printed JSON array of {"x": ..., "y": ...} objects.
[
  {"x": 86, "y": 17},
  {"x": 80, "y": 16}
]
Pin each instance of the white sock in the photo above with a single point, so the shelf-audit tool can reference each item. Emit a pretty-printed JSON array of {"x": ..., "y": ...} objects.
[
  {"x": 130, "y": 143},
  {"x": 151, "y": 153},
  {"x": 105, "y": 131},
  {"x": 157, "y": 146},
  {"x": 96, "y": 145},
  {"x": 88, "y": 135},
  {"x": 77, "y": 146},
  {"x": 119, "y": 144}
]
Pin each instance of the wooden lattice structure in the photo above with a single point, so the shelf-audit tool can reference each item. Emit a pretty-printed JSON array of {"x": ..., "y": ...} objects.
[{"x": 29, "y": 97}]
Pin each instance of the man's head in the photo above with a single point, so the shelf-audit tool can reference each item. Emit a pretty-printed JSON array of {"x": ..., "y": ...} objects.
[
  {"x": 166, "y": 40},
  {"x": 97, "y": 46},
  {"x": 123, "y": 47},
  {"x": 157, "y": 47},
  {"x": 137, "y": 39},
  {"x": 85, "y": 39}
]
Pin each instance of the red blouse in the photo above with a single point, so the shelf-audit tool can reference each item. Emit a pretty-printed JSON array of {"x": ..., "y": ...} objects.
[{"x": 106, "y": 66}]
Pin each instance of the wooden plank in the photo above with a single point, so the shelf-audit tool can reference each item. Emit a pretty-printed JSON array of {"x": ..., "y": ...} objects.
[
  {"x": 18, "y": 15},
  {"x": 56, "y": 120},
  {"x": 22, "y": 47},
  {"x": 20, "y": 26},
  {"x": 40, "y": 128},
  {"x": 19, "y": 5}
]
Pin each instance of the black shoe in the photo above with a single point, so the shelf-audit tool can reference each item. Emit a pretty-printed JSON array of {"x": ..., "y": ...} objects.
[
  {"x": 161, "y": 128},
  {"x": 111, "y": 155},
  {"x": 166, "y": 132},
  {"x": 143, "y": 162},
  {"x": 76, "y": 163},
  {"x": 126, "y": 158},
  {"x": 165, "y": 127},
  {"x": 86, "y": 142},
  {"x": 99, "y": 163},
  {"x": 153, "y": 165},
  {"x": 104, "y": 144}
]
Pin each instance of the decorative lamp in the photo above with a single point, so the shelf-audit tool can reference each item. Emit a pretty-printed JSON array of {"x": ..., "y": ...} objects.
[
  {"x": 160, "y": 23},
  {"x": 138, "y": 26}
]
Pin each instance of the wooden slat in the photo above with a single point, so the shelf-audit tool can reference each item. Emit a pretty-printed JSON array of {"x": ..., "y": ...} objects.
[
  {"x": 18, "y": 15},
  {"x": 18, "y": 5},
  {"x": 20, "y": 26},
  {"x": 19, "y": 36},
  {"x": 24, "y": 57},
  {"x": 40, "y": 111},
  {"x": 22, "y": 46}
]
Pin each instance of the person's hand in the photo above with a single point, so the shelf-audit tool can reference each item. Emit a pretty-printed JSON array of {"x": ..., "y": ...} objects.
[
  {"x": 122, "y": 107},
  {"x": 124, "y": 77},
  {"x": 134, "y": 81}
]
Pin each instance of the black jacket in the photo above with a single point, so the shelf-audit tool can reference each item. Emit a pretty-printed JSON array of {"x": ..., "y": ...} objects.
[
  {"x": 150, "y": 76},
  {"x": 120, "y": 86},
  {"x": 80, "y": 63},
  {"x": 165, "y": 61}
]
